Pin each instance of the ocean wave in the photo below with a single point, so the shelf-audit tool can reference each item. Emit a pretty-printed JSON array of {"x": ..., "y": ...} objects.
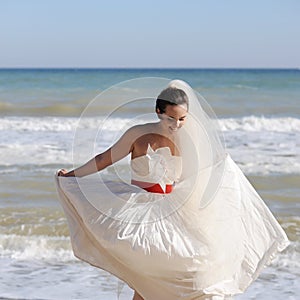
[
  {"x": 259, "y": 145},
  {"x": 248, "y": 123},
  {"x": 36, "y": 248},
  {"x": 57, "y": 248},
  {"x": 254, "y": 123},
  {"x": 57, "y": 124}
]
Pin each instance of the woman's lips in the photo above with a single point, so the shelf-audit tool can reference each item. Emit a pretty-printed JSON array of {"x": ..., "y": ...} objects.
[{"x": 173, "y": 129}]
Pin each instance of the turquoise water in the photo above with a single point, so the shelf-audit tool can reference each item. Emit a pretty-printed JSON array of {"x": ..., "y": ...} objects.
[
  {"x": 259, "y": 115},
  {"x": 231, "y": 93}
]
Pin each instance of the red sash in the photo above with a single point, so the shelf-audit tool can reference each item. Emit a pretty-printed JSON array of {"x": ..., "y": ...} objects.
[{"x": 153, "y": 187}]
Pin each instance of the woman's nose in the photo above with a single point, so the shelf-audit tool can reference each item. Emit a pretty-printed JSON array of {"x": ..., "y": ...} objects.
[{"x": 176, "y": 124}]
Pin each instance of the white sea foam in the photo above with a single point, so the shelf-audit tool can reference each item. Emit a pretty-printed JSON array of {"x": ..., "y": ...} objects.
[
  {"x": 36, "y": 280},
  {"x": 259, "y": 145},
  {"x": 55, "y": 124},
  {"x": 36, "y": 247},
  {"x": 41, "y": 267},
  {"x": 254, "y": 123}
]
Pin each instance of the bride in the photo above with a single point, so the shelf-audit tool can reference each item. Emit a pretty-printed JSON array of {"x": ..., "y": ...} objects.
[{"x": 188, "y": 226}]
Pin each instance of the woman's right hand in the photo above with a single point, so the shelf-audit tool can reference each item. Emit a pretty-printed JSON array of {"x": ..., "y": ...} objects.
[{"x": 62, "y": 172}]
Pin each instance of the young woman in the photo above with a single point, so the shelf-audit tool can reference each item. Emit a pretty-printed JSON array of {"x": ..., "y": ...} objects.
[
  {"x": 189, "y": 226},
  {"x": 172, "y": 114}
]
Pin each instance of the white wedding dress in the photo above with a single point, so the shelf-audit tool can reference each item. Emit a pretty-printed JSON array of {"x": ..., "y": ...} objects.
[
  {"x": 165, "y": 248},
  {"x": 196, "y": 230}
]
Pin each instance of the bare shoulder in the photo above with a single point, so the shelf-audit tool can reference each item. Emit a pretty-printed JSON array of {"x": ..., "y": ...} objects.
[
  {"x": 131, "y": 135},
  {"x": 138, "y": 130}
]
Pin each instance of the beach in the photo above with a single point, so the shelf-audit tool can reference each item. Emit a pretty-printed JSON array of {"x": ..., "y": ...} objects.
[{"x": 259, "y": 116}]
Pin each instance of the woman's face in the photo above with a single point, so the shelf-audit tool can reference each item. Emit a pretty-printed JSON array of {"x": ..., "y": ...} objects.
[{"x": 174, "y": 117}]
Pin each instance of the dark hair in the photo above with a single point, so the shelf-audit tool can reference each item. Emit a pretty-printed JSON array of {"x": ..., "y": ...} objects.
[{"x": 171, "y": 96}]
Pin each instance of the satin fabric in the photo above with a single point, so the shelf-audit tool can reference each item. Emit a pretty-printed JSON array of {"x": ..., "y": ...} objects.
[{"x": 191, "y": 253}]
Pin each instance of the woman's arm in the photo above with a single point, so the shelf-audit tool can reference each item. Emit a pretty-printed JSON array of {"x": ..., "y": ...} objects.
[
  {"x": 99, "y": 162},
  {"x": 118, "y": 151}
]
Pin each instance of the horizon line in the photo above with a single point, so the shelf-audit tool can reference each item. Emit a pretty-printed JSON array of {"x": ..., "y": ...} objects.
[{"x": 150, "y": 68}]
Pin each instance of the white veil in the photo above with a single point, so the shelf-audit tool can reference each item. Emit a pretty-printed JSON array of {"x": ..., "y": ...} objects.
[{"x": 201, "y": 146}]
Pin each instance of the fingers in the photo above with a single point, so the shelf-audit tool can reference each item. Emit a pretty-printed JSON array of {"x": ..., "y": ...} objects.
[
  {"x": 65, "y": 173},
  {"x": 62, "y": 172}
]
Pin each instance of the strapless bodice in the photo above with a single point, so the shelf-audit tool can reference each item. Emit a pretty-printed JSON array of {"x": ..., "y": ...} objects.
[{"x": 157, "y": 166}]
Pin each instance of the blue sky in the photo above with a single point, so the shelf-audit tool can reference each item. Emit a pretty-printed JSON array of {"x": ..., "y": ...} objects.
[{"x": 131, "y": 33}]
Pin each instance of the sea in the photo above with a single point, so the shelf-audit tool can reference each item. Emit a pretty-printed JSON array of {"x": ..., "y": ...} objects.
[{"x": 258, "y": 112}]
